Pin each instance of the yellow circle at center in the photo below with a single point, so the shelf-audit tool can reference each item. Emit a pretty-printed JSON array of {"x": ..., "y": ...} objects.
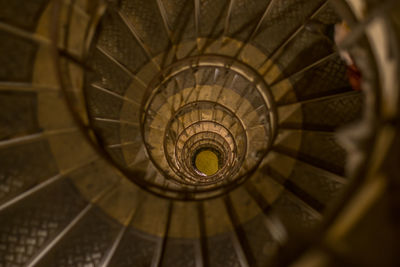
[{"x": 207, "y": 162}]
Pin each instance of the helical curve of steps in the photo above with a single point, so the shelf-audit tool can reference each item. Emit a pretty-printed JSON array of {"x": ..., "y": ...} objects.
[{"x": 167, "y": 132}]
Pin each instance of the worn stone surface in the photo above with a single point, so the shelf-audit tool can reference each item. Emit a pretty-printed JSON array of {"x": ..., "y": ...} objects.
[
  {"x": 20, "y": 13},
  {"x": 319, "y": 149},
  {"x": 24, "y": 165},
  {"x": 294, "y": 214},
  {"x": 325, "y": 114},
  {"x": 179, "y": 252},
  {"x": 118, "y": 40},
  {"x": 136, "y": 249},
  {"x": 17, "y": 56},
  {"x": 221, "y": 251},
  {"x": 146, "y": 19},
  {"x": 19, "y": 114},
  {"x": 86, "y": 244},
  {"x": 108, "y": 74},
  {"x": 34, "y": 221}
]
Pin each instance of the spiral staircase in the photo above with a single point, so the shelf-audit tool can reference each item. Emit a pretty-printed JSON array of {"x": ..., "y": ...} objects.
[{"x": 197, "y": 133}]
